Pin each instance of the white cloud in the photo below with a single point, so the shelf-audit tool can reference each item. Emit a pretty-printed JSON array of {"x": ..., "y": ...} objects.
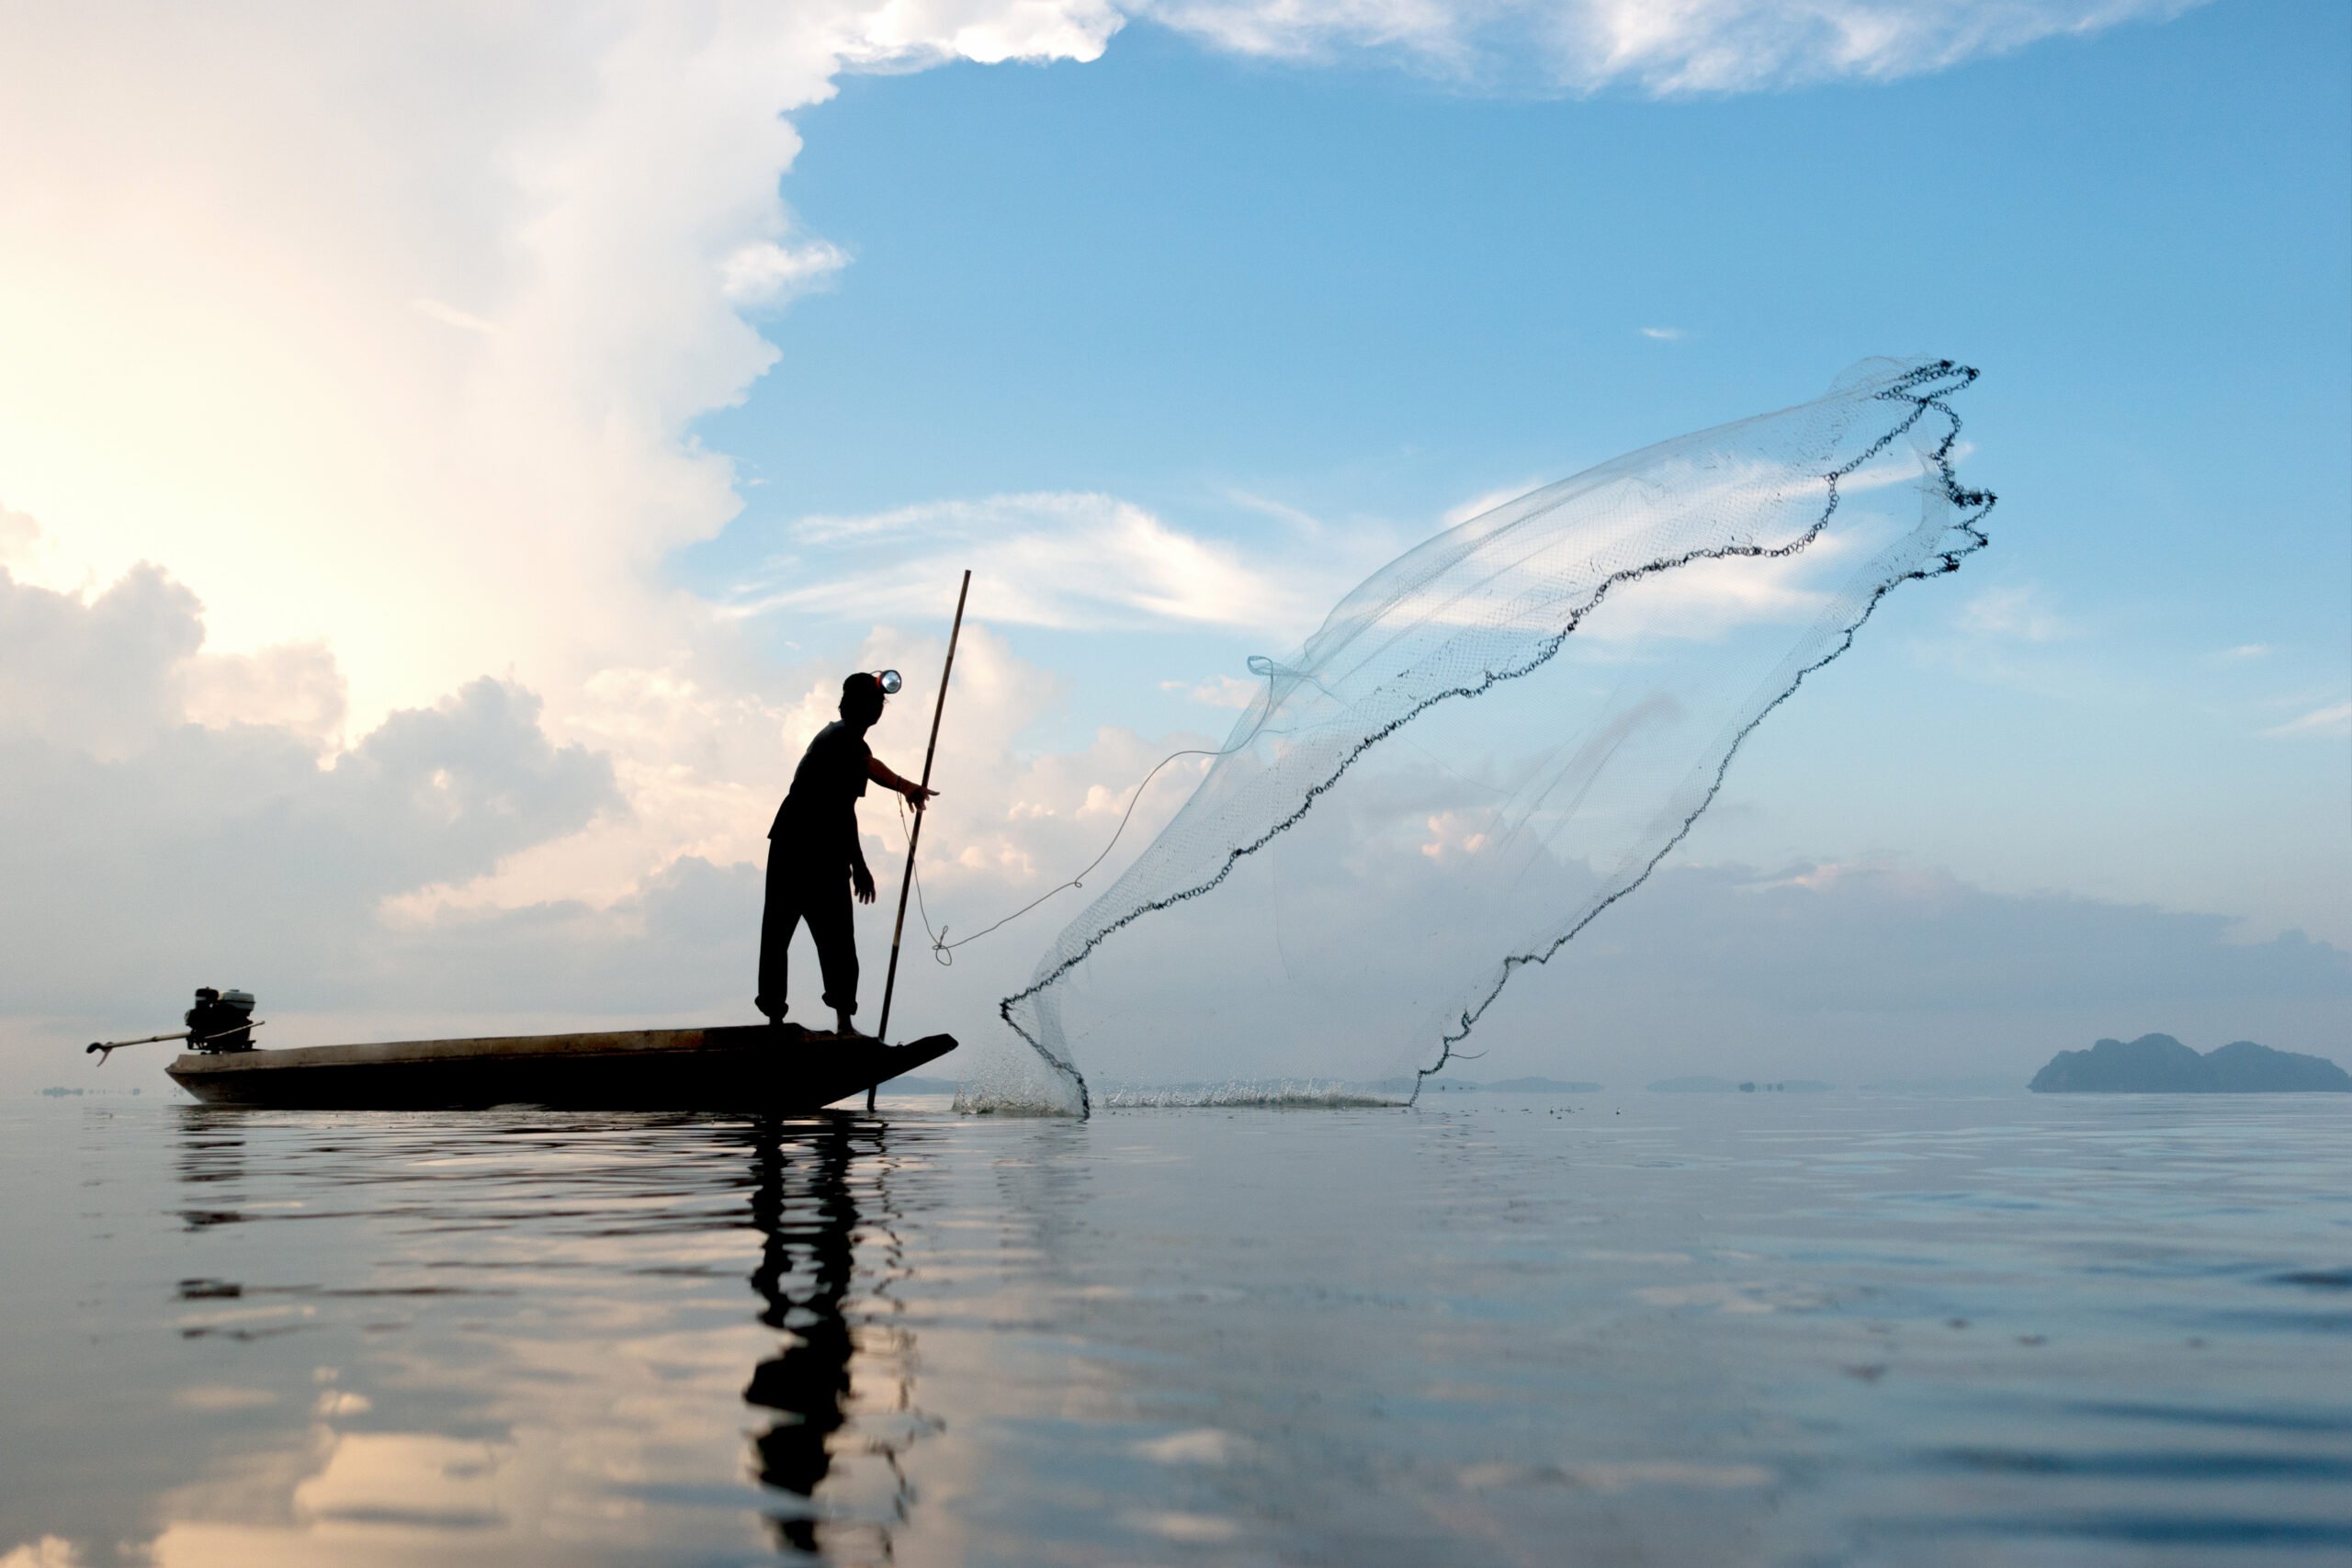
[
  {"x": 2334, "y": 720},
  {"x": 211, "y": 292},
  {"x": 1478, "y": 505},
  {"x": 1304, "y": 524},
  {"x": 19, "y": 536},
  {"x": 293, "y": 686},
  {"x": 48, "y": 1552},
  {"x": 95, "y": 677},
  {"x": 902, "y": 33},
  {"x": 1218, "y": 691},
  {"x": 120, "y": 815},
  {"x": 451, "y": 316},
  {"x": 765, "y": 273},
  {"x": 1664, "y": 335},
  {"x": 1453, "y": 833},
  {"x": 2245, "y": 650},
  {"x": 2018, "y": 612},
  {"x": 229, "y": 316},
  {"x": 1663, "y": 47},
  {"x": 1072, "y": 561}
]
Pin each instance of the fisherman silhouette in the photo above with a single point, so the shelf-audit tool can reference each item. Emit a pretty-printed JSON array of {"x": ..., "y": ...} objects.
[{"x": 815, "y": 860}]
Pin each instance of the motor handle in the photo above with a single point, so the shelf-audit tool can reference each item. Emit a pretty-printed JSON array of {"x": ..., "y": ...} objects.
[{"x": 106, "y": 1048}]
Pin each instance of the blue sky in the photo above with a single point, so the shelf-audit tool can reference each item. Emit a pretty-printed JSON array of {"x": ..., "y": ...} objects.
[
  {"x": 1176, "y": 277},
  {"x": 446, "y": 463}
]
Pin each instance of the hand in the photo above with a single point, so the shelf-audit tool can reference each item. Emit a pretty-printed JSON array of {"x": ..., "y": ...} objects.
[
  {"x": 861, "y": 881},
  {"x": 916, "y": 795}
]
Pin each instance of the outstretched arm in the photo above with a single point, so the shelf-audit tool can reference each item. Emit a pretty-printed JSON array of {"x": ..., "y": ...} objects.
[{"x": 879, "y": 772}]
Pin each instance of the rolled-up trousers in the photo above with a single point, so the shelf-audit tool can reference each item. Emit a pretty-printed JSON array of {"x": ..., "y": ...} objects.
[{"x": 801, "y": 890}]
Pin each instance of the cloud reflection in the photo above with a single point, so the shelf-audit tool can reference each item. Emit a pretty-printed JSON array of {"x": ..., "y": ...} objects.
[{"x": 502, "y": 1301}]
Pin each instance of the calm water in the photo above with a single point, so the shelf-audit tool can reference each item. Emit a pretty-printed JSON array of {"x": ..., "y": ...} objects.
[{"x": 1744, "y": 1329}]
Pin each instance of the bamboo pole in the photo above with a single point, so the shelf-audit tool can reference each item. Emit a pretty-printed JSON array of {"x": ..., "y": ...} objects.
[{"x": 906, "y": 883}]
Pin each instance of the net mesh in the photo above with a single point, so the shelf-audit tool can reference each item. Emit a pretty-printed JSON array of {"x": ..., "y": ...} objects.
[{"x": 1493, "y": 739}]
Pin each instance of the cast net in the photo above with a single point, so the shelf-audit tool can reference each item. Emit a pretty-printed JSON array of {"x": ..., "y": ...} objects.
[{"x": 1489, "y": 742}]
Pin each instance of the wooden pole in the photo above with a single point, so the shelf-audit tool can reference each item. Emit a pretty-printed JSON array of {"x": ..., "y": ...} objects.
[{"x": 906, "y": 883}]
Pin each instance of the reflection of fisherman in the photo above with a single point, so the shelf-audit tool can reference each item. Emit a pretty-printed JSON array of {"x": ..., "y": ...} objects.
[
  {"x": 814, "y": 858},
  {"x": 842, "y": 1383},
  {"x": 802, "y": 1205}
]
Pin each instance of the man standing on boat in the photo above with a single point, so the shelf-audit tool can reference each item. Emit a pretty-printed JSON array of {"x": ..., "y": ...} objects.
[{"x": 814, "y": 857}]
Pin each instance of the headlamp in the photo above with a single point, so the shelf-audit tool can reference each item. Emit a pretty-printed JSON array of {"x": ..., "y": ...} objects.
[{"x": 889, "y": 681}]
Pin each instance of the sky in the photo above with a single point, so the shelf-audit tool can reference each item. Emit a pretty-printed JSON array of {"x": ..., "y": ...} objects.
[{"x": 449, "y": 457}]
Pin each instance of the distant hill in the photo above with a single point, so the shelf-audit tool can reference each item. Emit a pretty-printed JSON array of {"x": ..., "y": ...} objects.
[
  {"x": 1542, "y": 1086},
  {"x": 2157, "y": 1064}
]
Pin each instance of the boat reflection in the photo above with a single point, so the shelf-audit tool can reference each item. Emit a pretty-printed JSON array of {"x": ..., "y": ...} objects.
[
  {"x": 842, "y": 1386},
  {"x": 430, "y": 1331}
]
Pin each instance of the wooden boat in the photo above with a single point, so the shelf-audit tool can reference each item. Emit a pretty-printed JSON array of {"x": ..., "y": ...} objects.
[{"x": 761, "y": 1068}]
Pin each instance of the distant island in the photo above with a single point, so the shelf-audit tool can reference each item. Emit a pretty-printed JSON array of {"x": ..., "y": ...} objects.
[
  {"x": 2157, "y": 1064},
  {"x": 1744, "y": 1086}
]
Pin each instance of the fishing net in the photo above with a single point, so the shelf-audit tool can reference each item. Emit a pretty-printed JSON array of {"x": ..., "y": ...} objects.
[{"x": 1489, "y": 742}]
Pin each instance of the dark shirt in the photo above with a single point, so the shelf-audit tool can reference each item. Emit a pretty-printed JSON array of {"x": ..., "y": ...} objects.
[{"x": 818, "y": 815}]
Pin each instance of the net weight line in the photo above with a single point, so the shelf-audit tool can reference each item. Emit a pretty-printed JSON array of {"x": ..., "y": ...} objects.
[{"x": 1916, "y": 390}]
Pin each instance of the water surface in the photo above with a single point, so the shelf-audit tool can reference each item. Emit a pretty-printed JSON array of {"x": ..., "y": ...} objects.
[{"x": 1828, "y": 1329}]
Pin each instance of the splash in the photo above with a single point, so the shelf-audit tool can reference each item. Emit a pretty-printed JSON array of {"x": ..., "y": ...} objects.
[{"x": 1494, "y": 739}]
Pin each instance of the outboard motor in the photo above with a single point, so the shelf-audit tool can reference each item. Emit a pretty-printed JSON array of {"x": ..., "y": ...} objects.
[{"x": 221, "y": 1020}]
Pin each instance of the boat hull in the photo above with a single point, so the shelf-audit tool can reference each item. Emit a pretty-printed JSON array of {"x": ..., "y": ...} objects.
[{"x": 757, "y": 1069}]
